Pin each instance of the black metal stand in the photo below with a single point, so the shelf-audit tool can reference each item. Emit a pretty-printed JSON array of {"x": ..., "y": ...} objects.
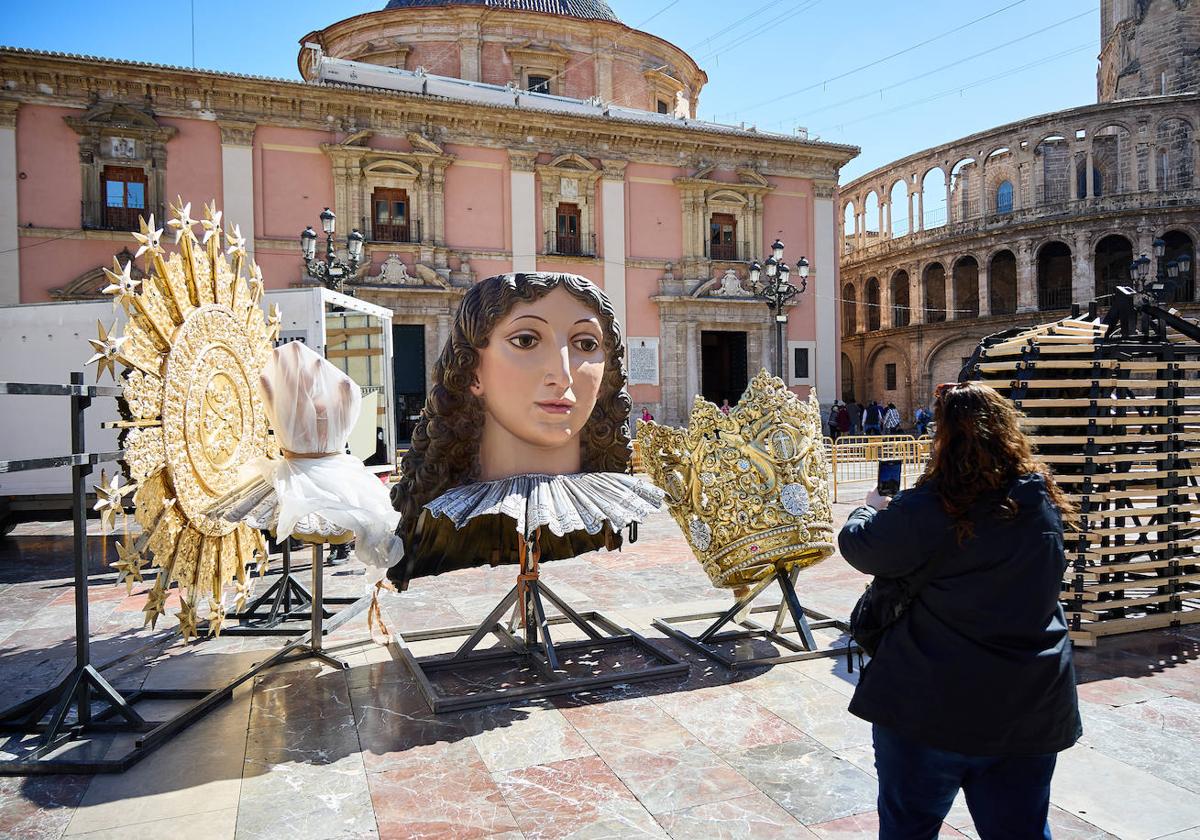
[
  {"x": 797, "y": 639},
  {"x": 545, "y": 668},
  {"x": 286, "y": 600},
  {"x": 85, "y": 687}
]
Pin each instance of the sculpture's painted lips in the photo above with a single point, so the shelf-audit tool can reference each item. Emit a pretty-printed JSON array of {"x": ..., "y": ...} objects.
[{"x": 556, "y": 406}]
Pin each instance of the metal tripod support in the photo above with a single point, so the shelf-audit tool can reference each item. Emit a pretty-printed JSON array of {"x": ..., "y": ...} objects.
[
  {"x": 286, "y": 600},
  {"x": 797, "y": 642},
  {"x": 526, "y": 640}
]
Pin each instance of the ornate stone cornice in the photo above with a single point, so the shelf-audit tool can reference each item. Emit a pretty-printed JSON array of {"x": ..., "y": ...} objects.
[
  {"x": 237, "y": 132},
  {"x": 614, "y": 170},
  {"x": 707, "y": 185},
  {"x": 119, "y": 118},
  {"x": 824, "y": 189},
  {"x": 8, "y": 113},
  {"x": 69, "y": 81},
  {"x": 521, "y": 160}
]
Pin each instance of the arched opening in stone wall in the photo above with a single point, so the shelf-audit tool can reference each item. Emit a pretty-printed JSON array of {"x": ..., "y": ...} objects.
[
  {"x": 900, "y": 307},
  {"x": 933, "y": 198},
  {"x": 848, "y": 230},
  {"x": 966, "y": 288},
  {"x": 872, "y": 300},
  {"x": 849, "y": 310},
  {"x": 1000, "y": 195},
  {"x": 964, "y": 189},
  {"x": 899, "y": 209},
  {"x": 1179, "y": 244},
  {"x": 1004, "y": 198},
  {"x": 1052, "y": 157},
  {"x": 1054, "y": 276},
  {"x": 1002, "y": 283},
  {"x": 1175, "y": 150},
  {"x": 847, "y": 379},
  {"x": 1113, "y": 255},
  {"x": 934, "y": 281},
  {"x": 871, "y": 221},
  {"x": 1112, "y": 157}
]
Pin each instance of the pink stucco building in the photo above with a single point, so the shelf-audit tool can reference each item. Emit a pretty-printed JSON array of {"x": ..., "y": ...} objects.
[{"x": 570, "y": 144}]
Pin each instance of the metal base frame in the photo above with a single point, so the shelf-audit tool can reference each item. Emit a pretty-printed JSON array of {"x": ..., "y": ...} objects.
[
  {"x": 76, "y": 691},
  {"x": 798, "y": 639},
  {"x": 534, "y": 647},
  {"x": 286, "y": 600}
]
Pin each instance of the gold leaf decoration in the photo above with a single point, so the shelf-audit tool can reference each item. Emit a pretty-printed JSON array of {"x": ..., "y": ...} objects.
[{"x": 194, "y": 344}]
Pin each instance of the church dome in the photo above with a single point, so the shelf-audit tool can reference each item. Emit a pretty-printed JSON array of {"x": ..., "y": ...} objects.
[{"x": 584, "y": 9}]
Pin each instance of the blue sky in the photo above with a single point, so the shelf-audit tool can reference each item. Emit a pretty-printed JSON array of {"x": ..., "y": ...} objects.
[{"x": 775, "y": 63}]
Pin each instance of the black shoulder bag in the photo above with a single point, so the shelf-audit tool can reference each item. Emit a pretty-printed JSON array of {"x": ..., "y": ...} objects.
[{"x": 885, "y": 600}]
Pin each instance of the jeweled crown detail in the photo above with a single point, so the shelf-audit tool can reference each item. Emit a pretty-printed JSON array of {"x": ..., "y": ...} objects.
[{"x": 749, "y": 489}]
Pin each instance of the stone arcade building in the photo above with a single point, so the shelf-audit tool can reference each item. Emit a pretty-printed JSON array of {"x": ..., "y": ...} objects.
[
  {"x": 1011, "y": 226},
  {"x": 611, "y": 177}
]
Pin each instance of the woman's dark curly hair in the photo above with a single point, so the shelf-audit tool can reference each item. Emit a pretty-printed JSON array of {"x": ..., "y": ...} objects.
[
  {"x": 978, "y": 451},
  {"x": 445, "y": 443}
]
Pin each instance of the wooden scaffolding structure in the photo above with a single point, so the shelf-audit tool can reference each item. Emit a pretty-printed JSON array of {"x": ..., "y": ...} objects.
[{"x": 1115, "y": 412}]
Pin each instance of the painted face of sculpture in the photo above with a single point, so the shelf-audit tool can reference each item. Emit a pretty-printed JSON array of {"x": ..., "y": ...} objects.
[{"x": 538, "y": 379}]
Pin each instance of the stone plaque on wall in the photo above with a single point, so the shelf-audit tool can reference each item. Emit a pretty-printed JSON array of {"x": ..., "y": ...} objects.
[
  {"x": 568, "y": 187},
  {"x": 123, "y": 147},
  {"x": 643, "y": 361}
]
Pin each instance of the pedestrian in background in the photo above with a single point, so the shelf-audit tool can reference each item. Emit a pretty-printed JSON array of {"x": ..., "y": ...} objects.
[
  {"x": 843, "y": 420},
  {"x": 856, "y": 413},
  {"x": 873, "y": 418},
  {"x": 832, "y": 422},
  {"x": 891, "y": 420},
  {"x": 973, "y": 686}
]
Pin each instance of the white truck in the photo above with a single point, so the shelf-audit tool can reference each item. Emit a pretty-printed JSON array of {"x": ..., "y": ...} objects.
[{"x": 44, "y": 343}]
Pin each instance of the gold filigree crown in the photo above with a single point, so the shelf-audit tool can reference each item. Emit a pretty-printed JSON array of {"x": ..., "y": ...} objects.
[{"x": 749, "y": 489}]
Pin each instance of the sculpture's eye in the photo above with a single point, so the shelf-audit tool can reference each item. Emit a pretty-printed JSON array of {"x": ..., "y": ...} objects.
[
  {"x": 587, "y": 344},
  {"x": 524, "y": 341}
]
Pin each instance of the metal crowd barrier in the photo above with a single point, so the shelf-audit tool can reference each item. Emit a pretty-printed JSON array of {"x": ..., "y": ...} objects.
[{"x": 854, "y": 459}]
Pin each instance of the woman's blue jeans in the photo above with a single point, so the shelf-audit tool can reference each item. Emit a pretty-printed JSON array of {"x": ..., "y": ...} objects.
[{"x": 1008, "y": 796}]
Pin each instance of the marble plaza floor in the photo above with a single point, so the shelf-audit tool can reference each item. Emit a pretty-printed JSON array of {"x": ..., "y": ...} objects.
[{"x": 305, "y": 751}]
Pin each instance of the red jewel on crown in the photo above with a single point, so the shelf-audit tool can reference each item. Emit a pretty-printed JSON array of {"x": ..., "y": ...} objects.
[{"x": 753, "y": 548}]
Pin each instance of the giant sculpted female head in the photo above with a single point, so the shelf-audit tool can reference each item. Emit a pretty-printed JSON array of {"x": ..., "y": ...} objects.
[{"x": 531, "y": 380}]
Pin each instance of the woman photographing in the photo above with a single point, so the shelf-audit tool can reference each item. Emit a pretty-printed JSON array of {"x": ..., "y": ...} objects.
[{"x": 973, "y": 687}]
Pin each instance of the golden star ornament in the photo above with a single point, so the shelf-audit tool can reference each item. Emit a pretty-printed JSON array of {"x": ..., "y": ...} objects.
[
  {"x": 110, "y": 494},
  {"x": 128, "y": 566},
  {"x": 108, "y": 350},
  {"x": 148, "y": 238},
  {"x": 187, "y": 620},
  {"x": 121, "y": 284}
]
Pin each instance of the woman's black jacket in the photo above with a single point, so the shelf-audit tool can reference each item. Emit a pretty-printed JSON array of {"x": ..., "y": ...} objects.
[{"x": 981, "y": 662}]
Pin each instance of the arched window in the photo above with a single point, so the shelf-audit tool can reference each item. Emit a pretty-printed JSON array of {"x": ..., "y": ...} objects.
[{"x": 1004, "y": 197}]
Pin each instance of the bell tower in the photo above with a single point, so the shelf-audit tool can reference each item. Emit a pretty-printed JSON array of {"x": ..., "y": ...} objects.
[{"x": 1149, "y": 48}]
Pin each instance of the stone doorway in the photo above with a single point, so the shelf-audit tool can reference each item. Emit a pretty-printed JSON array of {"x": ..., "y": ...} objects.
[{"x": 723, "y": 365}]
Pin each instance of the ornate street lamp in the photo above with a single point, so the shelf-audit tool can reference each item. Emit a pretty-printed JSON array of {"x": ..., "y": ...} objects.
[
  {"x": 776, "y": 289},
  {"x": 330, "y": 271}
]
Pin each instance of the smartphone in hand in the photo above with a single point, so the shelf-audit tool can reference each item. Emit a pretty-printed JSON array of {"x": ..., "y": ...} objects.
[{"x": 889, "y": 477}]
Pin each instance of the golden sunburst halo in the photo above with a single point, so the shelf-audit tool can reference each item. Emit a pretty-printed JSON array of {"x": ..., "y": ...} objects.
[{"x": 194, "y": 344}]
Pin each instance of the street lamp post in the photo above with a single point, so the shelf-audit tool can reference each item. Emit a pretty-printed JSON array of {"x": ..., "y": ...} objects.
[
  {"x": 777, "y": 290},
  {"x": 330, "y": 271}
]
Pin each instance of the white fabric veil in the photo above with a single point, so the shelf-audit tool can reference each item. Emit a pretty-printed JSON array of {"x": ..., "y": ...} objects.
[{"x": 312, "y": 406}]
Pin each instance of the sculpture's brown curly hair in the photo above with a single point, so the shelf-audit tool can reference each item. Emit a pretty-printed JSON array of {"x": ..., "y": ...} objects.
[
  {"x": 978, "y": 451},
  {"x": 445, "y": 443}
]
